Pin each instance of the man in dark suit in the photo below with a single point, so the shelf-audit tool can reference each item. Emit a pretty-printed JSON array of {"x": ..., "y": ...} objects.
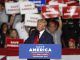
[
  {"x": 40, "y": 36},
  {"x": 43, "y": 35}
]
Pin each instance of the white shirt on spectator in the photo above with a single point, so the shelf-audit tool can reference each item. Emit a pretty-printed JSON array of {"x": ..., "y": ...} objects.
[
  {"x": 3, "y": 17},
  {"x": 18, "y": 18},
  {"x": 23, "y": 34},
  {"x": 56, "y": 36}
]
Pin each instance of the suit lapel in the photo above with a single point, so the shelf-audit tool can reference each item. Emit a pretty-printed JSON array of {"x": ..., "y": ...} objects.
[{"x": 43, "y": 36}]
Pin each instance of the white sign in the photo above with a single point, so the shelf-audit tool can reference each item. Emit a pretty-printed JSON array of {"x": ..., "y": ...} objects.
[
  {"x": 31, "y": 19},
  {"x": 28, "y": 7},
  {"x": 12, "y": 7}
]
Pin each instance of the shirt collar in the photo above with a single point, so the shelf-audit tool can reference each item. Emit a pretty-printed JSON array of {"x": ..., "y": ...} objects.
[{"x": 41, "y": 32}]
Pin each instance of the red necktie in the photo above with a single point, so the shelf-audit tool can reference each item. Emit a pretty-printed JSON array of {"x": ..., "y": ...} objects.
[{"x": 36, "y": 39}]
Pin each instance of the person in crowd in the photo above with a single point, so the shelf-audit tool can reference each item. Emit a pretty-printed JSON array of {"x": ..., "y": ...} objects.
[
  {"x": 55, "y": 29},
  {"x": 72, "y": 43},
  {"x": 40, "y": 35},
  {"x": 13, "y": 34},
  {"x": 22, "y": 30},
  {"x": 14, "y": 19},
  {"x": 3, "y": 15},
  {"x": 3, "y": 34},
  {"x": 11, "y": 20}
]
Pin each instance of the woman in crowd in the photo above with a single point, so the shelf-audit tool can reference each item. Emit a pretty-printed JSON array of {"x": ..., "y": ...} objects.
[
  {"x": 13, "y": 34},
  {"x": 3, "y": 34}
]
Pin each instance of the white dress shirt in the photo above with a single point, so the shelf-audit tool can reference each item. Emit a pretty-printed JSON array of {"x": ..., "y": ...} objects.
[{"x": 41, "y": 33}]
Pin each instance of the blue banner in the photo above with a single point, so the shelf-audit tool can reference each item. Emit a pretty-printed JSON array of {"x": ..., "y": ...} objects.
[
  {"x": 39, "y": 51},
  {"x": 39, "y": 3}
]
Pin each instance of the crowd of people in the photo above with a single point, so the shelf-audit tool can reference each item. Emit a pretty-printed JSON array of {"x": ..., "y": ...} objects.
[{"x": 48, "y": 31}]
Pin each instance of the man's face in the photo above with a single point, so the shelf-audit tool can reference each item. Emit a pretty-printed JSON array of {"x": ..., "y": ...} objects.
[
  {"x": 40, "y": 26},
  {"x": 52, "y": 27}
]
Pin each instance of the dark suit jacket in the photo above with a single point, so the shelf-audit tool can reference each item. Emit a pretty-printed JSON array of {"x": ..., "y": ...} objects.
[
  {"x": 46, "y": 38},
  {"x": 2, "y": 39}
]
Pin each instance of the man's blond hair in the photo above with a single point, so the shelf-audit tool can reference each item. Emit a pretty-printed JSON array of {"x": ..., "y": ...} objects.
[{"x": 42, "y": 21}]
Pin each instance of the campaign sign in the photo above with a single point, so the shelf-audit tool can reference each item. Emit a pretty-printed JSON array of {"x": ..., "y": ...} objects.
[
  {"x": 40, "y": 51},
  {"x": 28, "y": 7},
  {"x": 12, "y": 7},
  {"x": 50, "y": 11},
  {"x": 31, "y": 19},
  {"x": 71, "y": 12},
  {"x": 39, "y": 3},
  {"x": 13, "y": 43}
]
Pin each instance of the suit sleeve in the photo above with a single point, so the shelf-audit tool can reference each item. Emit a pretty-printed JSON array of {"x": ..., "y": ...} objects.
[
  {"x": 27, "y": 41},
  {"x": 51, "y": 40},
  {"x": 30, "y": 38}
]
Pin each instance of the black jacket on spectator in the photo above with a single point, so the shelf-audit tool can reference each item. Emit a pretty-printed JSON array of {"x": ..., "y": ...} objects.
[{"x": 2, "y": 39}]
